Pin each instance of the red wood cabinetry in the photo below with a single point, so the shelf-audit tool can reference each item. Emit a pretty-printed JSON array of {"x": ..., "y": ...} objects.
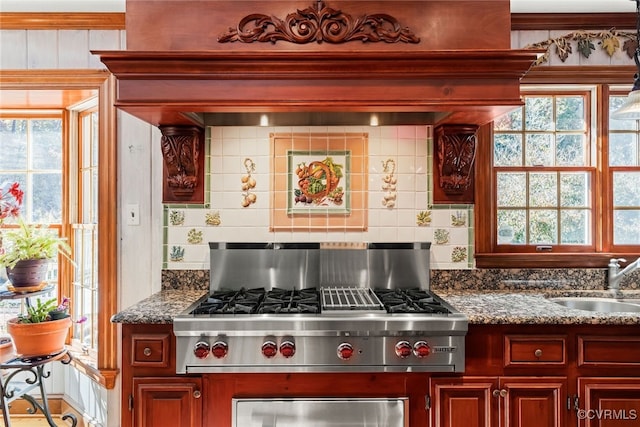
[
  {"x": 515, "y": 376},
  {"x": 171, "y": 402},
  {"x": 498, "y": 401},
  {"x": 152, "y": 394},
  {"x": 608, "y": 402}
]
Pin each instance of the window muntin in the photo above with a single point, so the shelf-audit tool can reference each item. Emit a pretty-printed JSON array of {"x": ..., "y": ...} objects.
[{"x": 543, "y": 173}]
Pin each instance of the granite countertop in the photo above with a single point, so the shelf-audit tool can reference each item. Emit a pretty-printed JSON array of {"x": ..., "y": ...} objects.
[
  {"x": 481, "y": 307},
  {"x": 522, "y": 307},
  {"x": 160, "y": 307}
]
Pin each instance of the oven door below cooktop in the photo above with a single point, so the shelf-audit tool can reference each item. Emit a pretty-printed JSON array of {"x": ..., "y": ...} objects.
[{"x": 342, "y": 412}]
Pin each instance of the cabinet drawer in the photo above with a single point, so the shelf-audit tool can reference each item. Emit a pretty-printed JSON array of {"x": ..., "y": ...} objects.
[
  {"x": 527, "y": 350},
  {"x": 613, "y": 351},
  {"x": 151, "y": 350}
]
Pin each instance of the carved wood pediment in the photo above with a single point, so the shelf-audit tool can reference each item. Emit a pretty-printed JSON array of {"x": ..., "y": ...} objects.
[{"x": 319, "y": 23}]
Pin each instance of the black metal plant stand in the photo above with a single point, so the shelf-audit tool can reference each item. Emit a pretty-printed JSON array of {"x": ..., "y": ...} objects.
[{"x": 35, "y": 367}]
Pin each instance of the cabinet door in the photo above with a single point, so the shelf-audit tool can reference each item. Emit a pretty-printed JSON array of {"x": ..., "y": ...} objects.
[
  {"x": 170, "y": 402},
  {"x": 533, "y": 401},
  {"x": 464, "y": 402},
  {"x": 608, "y": 402}
]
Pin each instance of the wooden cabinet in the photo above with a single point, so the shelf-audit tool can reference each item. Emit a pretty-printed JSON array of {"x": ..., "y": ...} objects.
[
  {"x": 535, "y": 350},
  {"x": 171, "y": 402},
  {"x": 515, "y": 376},
  {"x": 533, "y": 401},
  {"x": 499, "y": 401},
  {"x": 542, "y": 375},
  {"x": 464, "y": 401},
  {"x": 608, "y": 402},
  {"x": 152, "y": 394}
]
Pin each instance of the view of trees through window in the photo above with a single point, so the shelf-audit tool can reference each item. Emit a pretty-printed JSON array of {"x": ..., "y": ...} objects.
[
  {"x": 32, "y": 151},
  {"x": 624, "y": 164},
  {"x": 543, "y": 172}
]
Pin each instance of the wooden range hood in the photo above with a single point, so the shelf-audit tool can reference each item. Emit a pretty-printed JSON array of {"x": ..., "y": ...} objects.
[
  {"x": 194, "y": 63},
  {"x": 469, "y": 87}
]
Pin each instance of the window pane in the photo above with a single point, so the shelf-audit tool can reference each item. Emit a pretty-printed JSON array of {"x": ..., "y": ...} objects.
[
  {"x": 510, "y": 121},
  {"x": 94, "y": 139},
  {"x": 574, "y": 189},
  {"x": 616, "y": 102},
  {"x": 626, "y": 189},
  {"x": 539, "y": 113},
  {"x": 570, "y": 113},
  {"x": 86, "y": 136},
  {"x": 511, "y": 227},
  {"x": 94, "y": 200},
  {"x": 507, "y": 150},
  {"x": 543, "y": 189},
  {"x": 623, "y": 149},
  {"x": 543, "y": 228},
  {"x": 47, "y": 198},
  {"x": 538, "y": 150},
  {"x": 574, "y": 226},
  {"x": 512, "y": 189},
  {"x": 47, "y": 144},
  {"x": 626, "y": 227},
  {"x": 13, "y": 144},
  {"x": 571, "y": 150},
  {"x": 86, "y": 196}
]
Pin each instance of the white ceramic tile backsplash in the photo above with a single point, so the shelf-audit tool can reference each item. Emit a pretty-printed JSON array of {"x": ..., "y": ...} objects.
[{"x": 228, "y": 147}]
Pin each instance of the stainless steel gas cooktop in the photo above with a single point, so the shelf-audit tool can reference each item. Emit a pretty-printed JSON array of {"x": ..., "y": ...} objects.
[{"x": 320, "y": 308}]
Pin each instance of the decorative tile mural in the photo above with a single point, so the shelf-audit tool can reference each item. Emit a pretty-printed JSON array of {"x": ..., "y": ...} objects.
[{"x": 240, "y": 163}]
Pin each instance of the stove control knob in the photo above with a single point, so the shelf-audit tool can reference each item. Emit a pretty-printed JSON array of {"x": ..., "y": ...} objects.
[
  {"x": 287, "y": 349},
  {"x": 269, "y": 349},
  {"x": 201, "y": 349},
  {"x": 345, "y": 351},
  {"x": 403, "y": 349},
  {"x": 421, "y": 349},
  {"x": 219, "y": 349}
]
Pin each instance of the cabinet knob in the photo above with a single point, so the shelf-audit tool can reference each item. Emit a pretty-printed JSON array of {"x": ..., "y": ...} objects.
[
  {"x": 146, "y": 351},
  {"x": 499, "y": 393},
  {"x": 197, "y": 394},
  {"x": 537, "y": 353}
]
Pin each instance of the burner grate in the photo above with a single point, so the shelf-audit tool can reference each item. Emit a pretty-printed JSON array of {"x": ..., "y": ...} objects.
[
  {"x": 410, "y": 301},
  {"x": 347, "y": 298}
]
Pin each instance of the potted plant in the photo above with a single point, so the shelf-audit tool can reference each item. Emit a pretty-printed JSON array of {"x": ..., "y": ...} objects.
[
  {"x": 36, "y": 332},
  {"x": 27, "y": 252}
]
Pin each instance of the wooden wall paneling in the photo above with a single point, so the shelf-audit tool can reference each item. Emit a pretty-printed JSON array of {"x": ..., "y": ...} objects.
[
  {"x": 42, "y": 49},
  {"x": 71, "y": 43},
  {"x": 13, "y": 49}
]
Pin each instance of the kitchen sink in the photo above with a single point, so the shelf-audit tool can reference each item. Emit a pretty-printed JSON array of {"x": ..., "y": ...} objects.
[{"x": 606, "y": 305}]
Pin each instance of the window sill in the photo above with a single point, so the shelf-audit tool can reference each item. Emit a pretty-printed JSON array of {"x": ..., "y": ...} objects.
[
  {"x": 546, "y": 260},
  {"x": 87, "y": 364}
]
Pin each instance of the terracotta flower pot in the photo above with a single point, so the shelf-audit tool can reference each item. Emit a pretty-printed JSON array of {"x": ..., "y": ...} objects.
[
  {"x": 38, "y": 339},
  {"x": 28, "y": 273}
]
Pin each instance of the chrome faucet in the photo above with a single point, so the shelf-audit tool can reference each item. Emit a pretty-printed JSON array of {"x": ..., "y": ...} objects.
[{"x": 616, "y": 275}]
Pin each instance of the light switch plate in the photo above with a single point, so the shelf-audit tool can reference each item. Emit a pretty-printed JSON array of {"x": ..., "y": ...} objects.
[{"x": 132, "y": 213}]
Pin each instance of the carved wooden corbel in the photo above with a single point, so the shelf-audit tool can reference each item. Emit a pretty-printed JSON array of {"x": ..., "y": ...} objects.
[
  {"x": 319, "y": 24},
  {"x": 183, "y": 172},
  {"x": 454, "y": 156}
]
